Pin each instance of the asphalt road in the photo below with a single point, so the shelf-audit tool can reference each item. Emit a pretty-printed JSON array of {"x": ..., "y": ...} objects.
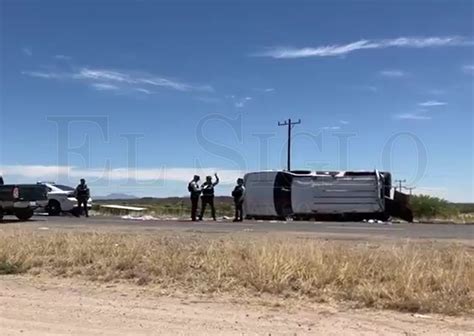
[{"x": 329, "y": 230}]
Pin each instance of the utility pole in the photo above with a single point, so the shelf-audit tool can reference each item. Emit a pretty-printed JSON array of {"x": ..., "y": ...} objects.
[
  {"x": 290, "y": 125},
  {"x": 400, "y": 184},
  {"x": 410, "y": 189}
]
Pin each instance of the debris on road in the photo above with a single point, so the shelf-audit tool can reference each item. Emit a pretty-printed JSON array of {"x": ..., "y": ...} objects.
[{"x": 139, "y": 218}]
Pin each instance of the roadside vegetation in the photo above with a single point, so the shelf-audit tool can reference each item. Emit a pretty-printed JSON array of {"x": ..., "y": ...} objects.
[
  {"x": 430, "y": 208},
  {"x": 408, "y": 277},
  {"x": 427, "y": 207}
]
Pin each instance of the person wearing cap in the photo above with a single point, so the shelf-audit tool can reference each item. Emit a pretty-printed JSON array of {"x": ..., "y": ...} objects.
[
  {"x": 82, "y": 195},
  {"x": 207, "y": 196},
  {"x": 238, "y": 195},
  {"x": 194, "y": 191}
]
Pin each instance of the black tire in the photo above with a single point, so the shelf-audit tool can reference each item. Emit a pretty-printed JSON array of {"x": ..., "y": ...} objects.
[
  {"x": 24, "y": 214},
  {"x": 385, "y": 217},
  {"x": 1, "y": 214},
  {"x": 54, "y": 208}
]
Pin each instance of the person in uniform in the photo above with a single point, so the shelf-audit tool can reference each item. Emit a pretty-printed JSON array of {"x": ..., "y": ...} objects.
[
  {"x": 82, "y": 196},
  {"x": 194, "y": 191},
  {"x": 238, "y": 195},
  {"x": 207, "y": 196},
  {"x": 1, "y": 181}
]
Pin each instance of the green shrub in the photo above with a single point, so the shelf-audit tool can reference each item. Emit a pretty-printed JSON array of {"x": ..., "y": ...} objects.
[{"x": 425, "y": 206}]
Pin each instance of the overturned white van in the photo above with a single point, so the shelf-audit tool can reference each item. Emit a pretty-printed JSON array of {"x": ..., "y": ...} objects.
[{"x": 352, "y": 195}]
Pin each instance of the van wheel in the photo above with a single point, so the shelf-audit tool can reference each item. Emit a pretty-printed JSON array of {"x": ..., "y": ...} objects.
[
  {"x": 24, "y": 214},
  {"x": 54, "y": 208},
  {"x": 384, "y": 217}
]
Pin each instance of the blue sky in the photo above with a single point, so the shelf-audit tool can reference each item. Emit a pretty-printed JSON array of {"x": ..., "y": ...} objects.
[{"x": 200, "y": 86}]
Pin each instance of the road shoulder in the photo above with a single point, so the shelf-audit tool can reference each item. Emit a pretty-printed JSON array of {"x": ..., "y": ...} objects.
[{"x": 43, "y": 306}]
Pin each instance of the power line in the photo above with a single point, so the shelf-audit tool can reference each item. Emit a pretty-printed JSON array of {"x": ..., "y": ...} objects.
[
  {"x": 410, "y": 189},
  {"x": 290, "y": 125},
  {"x": 400, "y": 184}
]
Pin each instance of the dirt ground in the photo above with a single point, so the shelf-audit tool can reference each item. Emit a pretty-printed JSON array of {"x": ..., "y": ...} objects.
[{"x": 45, "y": 306}]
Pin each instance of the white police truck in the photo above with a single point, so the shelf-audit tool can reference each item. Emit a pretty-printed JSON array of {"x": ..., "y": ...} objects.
[{"x": 61, "y": 198}]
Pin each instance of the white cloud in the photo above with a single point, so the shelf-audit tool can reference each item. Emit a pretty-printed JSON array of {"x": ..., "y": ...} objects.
[
  {"x": 420, "y": 113},
  {"x": 469, "y": 69},
  {"x": 62, "y": 57},
  {"x": 264, "y": 90},
  {"x": 344, "y": 49},
  {"x": 393, "y": 73},
  {"x": 142, "y": 90},
  {"x": 123, "y": 80},
  {"x": 431, "y": 103},
  {"x": 54, "y": 173},
  {"x": 412, "y": 116},
  {"x": 27, "y": 51},
  {"x": 335, "y": 128},
  {"x": 369, "y": 88},
  {"x": 45, "y": 75},
  {"x": 100, "y": 74},
  {"x": 33, "y": 171},
  {"x": 242, "y": 102},
  {"x": 209, "y": 100},
  {"x": 104, "y": 87}
]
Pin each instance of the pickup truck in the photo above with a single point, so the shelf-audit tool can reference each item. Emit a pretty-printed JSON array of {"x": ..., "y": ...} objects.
[{"x": 21, "y": 200}]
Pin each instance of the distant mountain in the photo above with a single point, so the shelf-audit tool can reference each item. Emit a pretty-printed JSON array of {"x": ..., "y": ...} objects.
[{"x": 115, "y": 196}]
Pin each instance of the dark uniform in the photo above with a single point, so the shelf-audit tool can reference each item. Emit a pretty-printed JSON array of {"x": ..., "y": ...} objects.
[
  {"x": 194, "y": 191},
  {"x": 238, "y": 195},
  {"x": 207, "y": 196},
  {"x": 82, "y": 196}
]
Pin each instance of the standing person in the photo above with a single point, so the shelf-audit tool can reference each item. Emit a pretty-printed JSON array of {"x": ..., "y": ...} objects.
[
  {"x": 238, "y": 195},
  {"x": 1, "y": 181},
  {"x": 195, "y": 191},
  {"x": 82, "y": 196},
  {"x": 207, "y": 196}
]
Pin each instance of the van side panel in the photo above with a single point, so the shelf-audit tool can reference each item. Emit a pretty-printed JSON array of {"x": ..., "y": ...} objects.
[
  {"x": 283, "y": 194},
  {"x": 337, "y": 194},
  {"x": 259, "y": 194}
]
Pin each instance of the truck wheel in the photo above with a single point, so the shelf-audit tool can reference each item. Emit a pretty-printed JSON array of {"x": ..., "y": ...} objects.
[
  {"x": 1, "y": 214},
  {"x": 54, "y": 208},
  {"x": 24, "y": 214}
]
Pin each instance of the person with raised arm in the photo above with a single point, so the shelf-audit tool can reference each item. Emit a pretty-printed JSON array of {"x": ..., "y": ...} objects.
[{"x": 207, "y": 197}]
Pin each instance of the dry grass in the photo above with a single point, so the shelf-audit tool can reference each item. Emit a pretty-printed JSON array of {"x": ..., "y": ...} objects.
[{"x": 407, "y": 277}]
